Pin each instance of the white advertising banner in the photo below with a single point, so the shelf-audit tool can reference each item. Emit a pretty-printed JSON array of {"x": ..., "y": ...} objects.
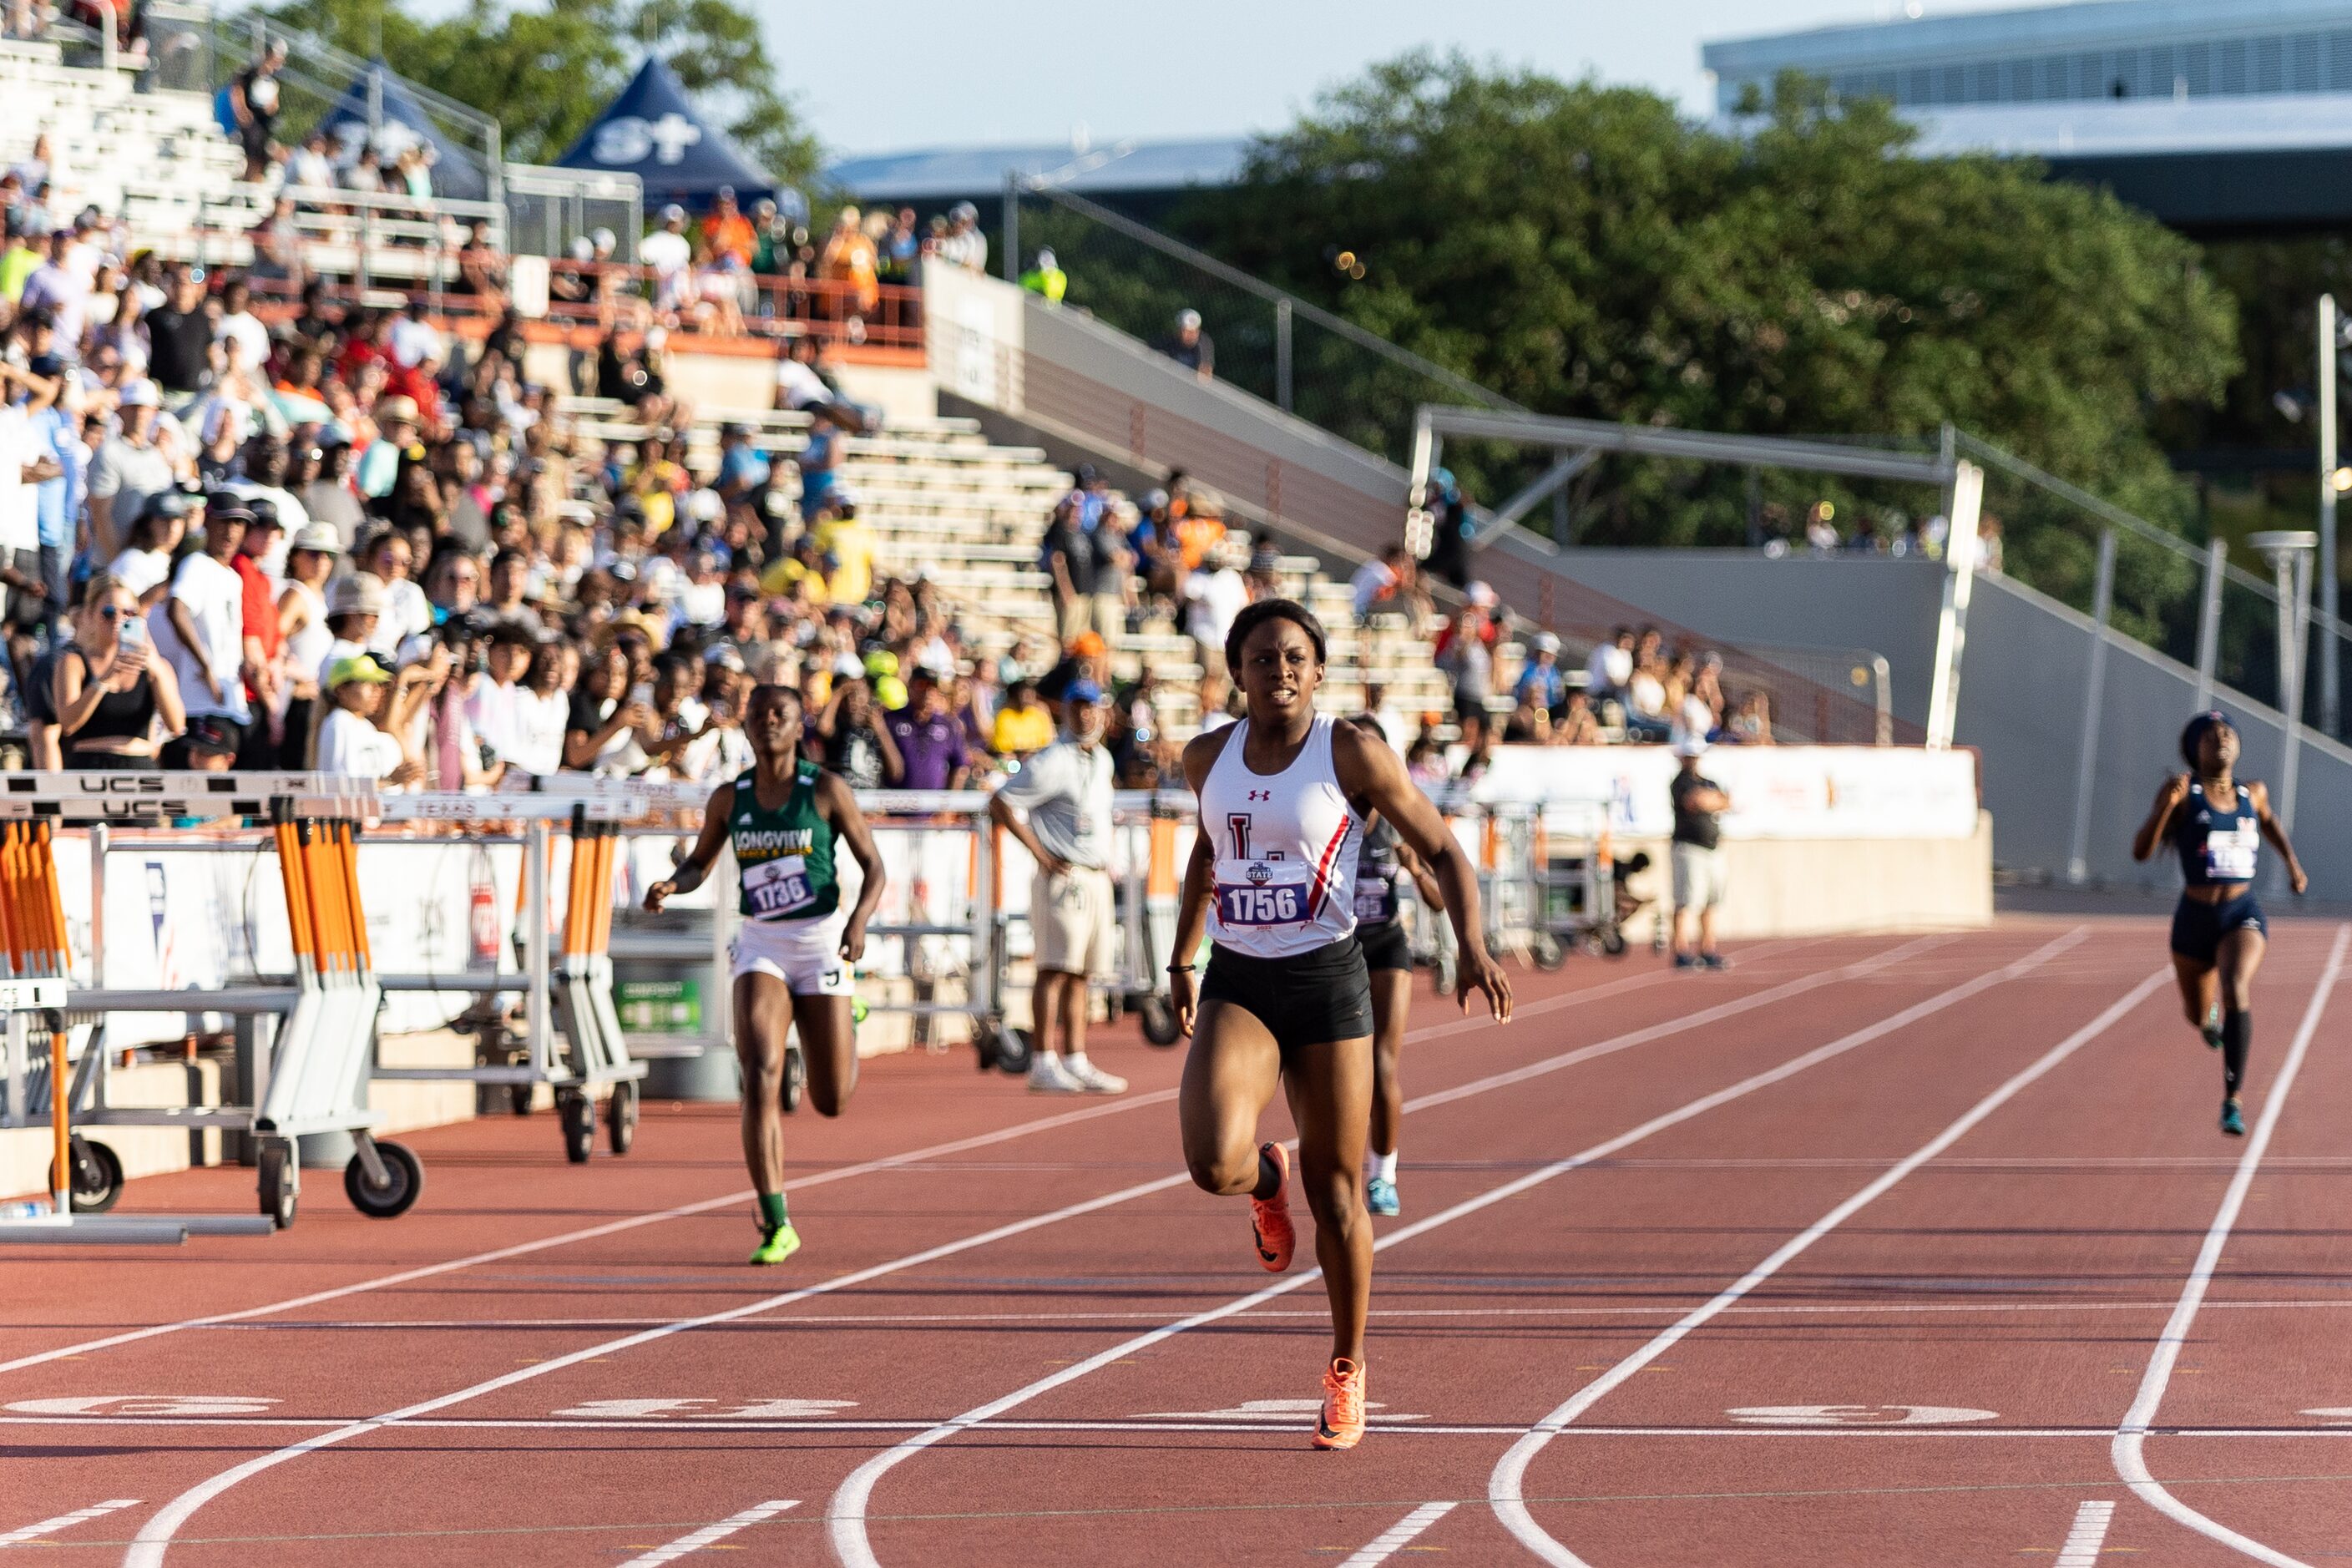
[{"x": 1777, "y": 792}]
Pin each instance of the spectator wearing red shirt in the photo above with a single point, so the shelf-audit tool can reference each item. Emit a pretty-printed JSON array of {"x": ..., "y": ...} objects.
[
  {"x": 371, "y": 344},
  {"x": 422, "y": 383},
  {"x": 265, "y": 643}
]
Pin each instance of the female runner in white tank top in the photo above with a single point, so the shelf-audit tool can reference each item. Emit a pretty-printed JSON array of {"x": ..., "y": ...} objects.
[{"x": 1286, "y": 1001}]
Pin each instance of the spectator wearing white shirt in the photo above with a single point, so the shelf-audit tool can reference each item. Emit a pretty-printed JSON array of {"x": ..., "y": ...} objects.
[
  {"x": 1375, "y": 582},
  {"x": 144, "y": 564},
  {"x": 1611, "y": 666},
  {"x": 965, "y": 244},
  {"x": 200, "y": 628},
  {"x": 59, "y": 287},
  {"x": 670, "y": 254},
  {"x": 239, "y": 324},
  {"x": 415, "y": 338},
  {"x": 544, "y": 709},
  {"x": 1212, "y": 597},
  {"x": 406, "y": 612},
  {"x": 359, "y": 737}
]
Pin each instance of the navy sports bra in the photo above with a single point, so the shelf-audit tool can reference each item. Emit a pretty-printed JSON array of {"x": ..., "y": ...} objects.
[{"x": 2218, "y": 843}]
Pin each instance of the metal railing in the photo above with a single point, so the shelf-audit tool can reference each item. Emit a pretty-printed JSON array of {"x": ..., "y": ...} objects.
[
  {"x": 309, "y": 90},
  {"x": 548, "y": 209},
  {"x": 1292, "y": 352}
]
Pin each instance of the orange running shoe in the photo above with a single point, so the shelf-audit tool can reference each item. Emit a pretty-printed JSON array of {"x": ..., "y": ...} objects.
[
  {"x": 1342, "y": 1426},
  {"x": 1270, "y": 1227}
]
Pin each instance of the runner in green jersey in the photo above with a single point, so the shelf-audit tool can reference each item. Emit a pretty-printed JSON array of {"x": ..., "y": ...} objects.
[{"x": 785, "y": 820}]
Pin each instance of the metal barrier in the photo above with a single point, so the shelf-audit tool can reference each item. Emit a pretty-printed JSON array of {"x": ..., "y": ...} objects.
[
  {"x": 573, "y": 990},
  {"x": 314, "y": 1082}
]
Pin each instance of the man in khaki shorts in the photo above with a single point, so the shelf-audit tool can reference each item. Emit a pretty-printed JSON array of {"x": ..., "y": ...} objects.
[
  {"x": 1058, "y": 806},
  {"x": 1698, "y": 854}
]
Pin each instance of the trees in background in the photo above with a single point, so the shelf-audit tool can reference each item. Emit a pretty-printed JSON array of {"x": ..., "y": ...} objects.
[
  {"x": 1584, "y": 250},
  {"x": 545, "y": 71}
]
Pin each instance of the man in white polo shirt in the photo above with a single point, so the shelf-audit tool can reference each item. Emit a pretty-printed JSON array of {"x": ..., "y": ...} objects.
[{"x": 1058, "y": 807}]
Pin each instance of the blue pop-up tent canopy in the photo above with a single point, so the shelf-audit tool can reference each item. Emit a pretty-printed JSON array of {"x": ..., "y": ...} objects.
[
  {"x": 457, "y": 173},
  {"x": 652, "y": 131}
]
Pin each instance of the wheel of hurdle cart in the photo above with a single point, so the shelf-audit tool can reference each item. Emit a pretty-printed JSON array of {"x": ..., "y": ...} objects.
[
  {"x": 335, "y": 969},
  {"x": 583, "y": 995}
]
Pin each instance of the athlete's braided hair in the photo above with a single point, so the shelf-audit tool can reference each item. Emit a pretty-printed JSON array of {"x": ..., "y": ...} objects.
[
  {"x": 2192, "y": 737},
  {"x": 1254, "y": 615}
]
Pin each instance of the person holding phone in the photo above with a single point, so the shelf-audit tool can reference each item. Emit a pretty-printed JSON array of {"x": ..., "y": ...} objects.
[{"x": 110, "y": 691}]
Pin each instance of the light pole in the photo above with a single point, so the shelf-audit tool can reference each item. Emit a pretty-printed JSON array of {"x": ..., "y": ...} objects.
[
  {"x": 2331, "y": 344},
  {"x": 2289, "y": 551}
]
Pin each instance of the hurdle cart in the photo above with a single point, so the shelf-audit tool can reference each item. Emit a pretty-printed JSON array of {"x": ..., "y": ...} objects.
[
  {"x": 310, "y": 1077},
  {"x": 569, "y": 989}
]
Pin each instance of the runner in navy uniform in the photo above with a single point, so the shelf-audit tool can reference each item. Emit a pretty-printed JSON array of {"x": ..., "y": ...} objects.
[
  {"x": 1287, "y": 1003},
  {"x": 1381, "y": 865},
  {"x": 2217, "y": 825}
]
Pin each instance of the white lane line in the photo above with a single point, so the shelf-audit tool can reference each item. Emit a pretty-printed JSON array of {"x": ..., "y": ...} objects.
[
  {"x": 820, "y": 1178},
  {"x": 1893, "y": 1434},
  {"x": 1397, "y": 1536},
  {"x": 2128, "y": 1448},
  {"x": 66, "y": 1521},
  {"x": 611, "y": 1227},
  {"x": 2089, "y": 1534},
  {"x": 710, "y": 1534},
  {"x": 846, "y": 1514},
  {"x": 1143, "y": 1314},
  {"x": 154, "y": 1536},
  {"x": 1505, "y": 1486}
]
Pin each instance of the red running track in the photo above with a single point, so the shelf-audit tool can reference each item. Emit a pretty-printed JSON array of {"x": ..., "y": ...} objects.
[{"x": 1861, "y": 1253}]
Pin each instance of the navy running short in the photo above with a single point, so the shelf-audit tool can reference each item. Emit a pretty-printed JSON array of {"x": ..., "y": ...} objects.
[
  {"x": 2198, "y": 928},
  {"x": 1306, "y": 999},
  {"x": 1385, "y": 945}
]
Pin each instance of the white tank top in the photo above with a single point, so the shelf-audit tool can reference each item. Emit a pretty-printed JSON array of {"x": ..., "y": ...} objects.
[
  {"x": 1285, "y": 843},
  {"x": 308, "y": 648}
]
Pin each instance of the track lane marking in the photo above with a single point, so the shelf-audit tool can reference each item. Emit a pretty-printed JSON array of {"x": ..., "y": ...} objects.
[
  {"x": 2128, "y": 1446},
  {"x": 1397, "y": 1536},
  {"x": 846, "y": 1512},
  {"x": 2088, "y": 1536},
  {"x": 710, "y": 1534},
  {"x": 1505, "y": 1485},
  {"x": 154, "y": 1536},
  {"x": 838, "y": 1174},
  {"x": 66, "y": 1521}
]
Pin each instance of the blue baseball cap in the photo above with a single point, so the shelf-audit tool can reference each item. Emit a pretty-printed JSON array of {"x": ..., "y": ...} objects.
[{"x": 1085, "y": 691}]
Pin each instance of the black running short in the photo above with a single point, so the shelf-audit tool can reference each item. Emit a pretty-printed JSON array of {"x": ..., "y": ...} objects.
[
  {"x": 2198, "y": 928},
  {"x": 1306, "y": 999},
  {"x": 1385, "y": 945}
]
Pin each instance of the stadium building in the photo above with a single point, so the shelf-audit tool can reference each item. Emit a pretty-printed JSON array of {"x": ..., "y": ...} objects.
[{"x": 2216, "y": 119}]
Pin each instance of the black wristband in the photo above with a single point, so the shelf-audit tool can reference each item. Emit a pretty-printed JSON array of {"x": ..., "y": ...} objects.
[{"x": 1182, "y": 968}]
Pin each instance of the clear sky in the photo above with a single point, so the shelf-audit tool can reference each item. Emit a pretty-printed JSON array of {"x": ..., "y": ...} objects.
[{"x": 966, "y": 73}]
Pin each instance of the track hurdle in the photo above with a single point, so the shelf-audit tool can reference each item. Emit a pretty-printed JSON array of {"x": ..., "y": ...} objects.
[
  {"x": 570, "y": 988},
  {"x": 314, "y": 1077}
]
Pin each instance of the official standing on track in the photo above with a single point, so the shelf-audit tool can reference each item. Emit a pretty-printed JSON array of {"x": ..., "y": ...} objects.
[
  {"x": 794, "y": 952},
  {"x": 1058, "y": 807},
  {"x": 1698, "y": 854},
  {"x": 1287, "y": 1003},
  {"x": 1382, "y": 865},
  {"x": 2219, "y": 932}
]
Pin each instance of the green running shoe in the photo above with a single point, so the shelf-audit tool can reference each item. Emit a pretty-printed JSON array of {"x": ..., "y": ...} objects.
[
  {"x": 776, "y": 1245},
  {"x": 857, "y": 1011},
  {"x": 1381, "y": 1197},
  {"x": 2231, "y": 1123}
]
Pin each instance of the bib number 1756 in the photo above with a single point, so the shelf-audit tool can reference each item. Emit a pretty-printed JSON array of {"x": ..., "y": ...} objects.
[{"x": 1246, "y": 906}]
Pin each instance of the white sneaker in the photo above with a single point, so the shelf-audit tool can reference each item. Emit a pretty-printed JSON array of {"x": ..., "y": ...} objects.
[
  {"x": 1048, "y": 1076},
  {"x": 1092, "y": 1078}
]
